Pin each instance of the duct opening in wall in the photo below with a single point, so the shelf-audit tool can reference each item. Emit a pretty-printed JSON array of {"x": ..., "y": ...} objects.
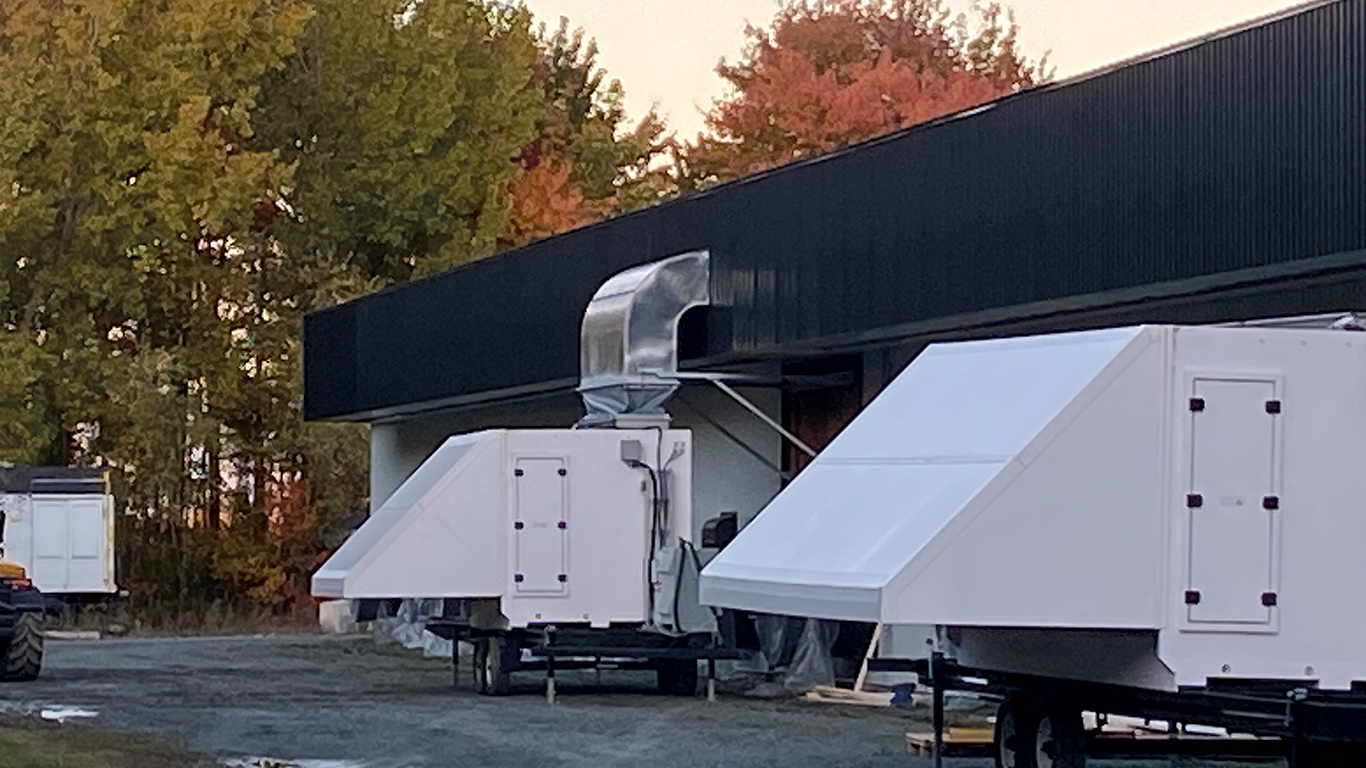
[{"x": 628, "y": 351}]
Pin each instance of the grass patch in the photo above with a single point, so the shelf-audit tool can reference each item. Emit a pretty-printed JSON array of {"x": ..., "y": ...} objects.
[
  {"x": 26, "y": 743},
  {"x": 115, "y": 618}
]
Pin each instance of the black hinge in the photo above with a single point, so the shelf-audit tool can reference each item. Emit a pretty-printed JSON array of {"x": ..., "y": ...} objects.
[
  {"x": 519, "y": 525},
  {"x": 1197, "y": 404},
  {"x": 563, "y": 471},
  {"x": 1194, "y": 500},
  {"x": 1269, "y": 599},
  {"x": 518, "y": 472},
  {"x": 1273, "y": 406},
  {"x": 563, "y": 577},
  {"x": 1271, "y": 502},
  {"x": 1192, "y": 597},
  {"x": 517, "y": 577},
  {"x": 563, "y": 525}
]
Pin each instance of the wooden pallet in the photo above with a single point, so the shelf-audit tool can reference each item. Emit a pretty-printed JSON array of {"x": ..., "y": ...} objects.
[
  {"x": 829, "y": 694},
  {"x": 958, "y": 742},
  {"x": 1115, "y": 742}
]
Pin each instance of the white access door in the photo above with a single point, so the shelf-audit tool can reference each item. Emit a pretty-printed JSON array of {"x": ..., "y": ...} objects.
[
  {"x": 1233, "y": 503},
  {"x": 540, "y": 526},
  {"x": 71, "y": 544}
]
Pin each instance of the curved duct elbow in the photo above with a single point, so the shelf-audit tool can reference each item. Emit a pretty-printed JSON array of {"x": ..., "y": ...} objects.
[{"x": 628, "y": 349}]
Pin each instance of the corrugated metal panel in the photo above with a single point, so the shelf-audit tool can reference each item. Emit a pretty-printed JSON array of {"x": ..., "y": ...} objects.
[{"x": 1245, "y": 151}]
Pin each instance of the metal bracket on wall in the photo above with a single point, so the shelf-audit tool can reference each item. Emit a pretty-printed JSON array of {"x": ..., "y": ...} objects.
[
  {"x": 682, "y": 399},
  {"x": 718, "y": 380}
]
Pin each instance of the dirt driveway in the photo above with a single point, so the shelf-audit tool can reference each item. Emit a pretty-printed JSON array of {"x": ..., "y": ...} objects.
[{"x": 315, "y": 698}]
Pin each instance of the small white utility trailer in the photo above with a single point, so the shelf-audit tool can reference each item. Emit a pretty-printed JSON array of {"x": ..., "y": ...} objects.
[
  {"x": 59, "y": 525},
  {"x": 561, "y": 546},
  {"x": 546, "y": 540},
  {"x": 1161, "y": 522}
]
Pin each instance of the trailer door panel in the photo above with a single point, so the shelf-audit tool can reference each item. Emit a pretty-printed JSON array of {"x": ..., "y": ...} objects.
[
  {"x": 1232, "y": 502},
  {"x": 540, "y": 526}
]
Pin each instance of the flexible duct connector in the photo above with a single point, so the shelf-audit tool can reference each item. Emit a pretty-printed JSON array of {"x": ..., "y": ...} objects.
[{"x": 629, "y": 338}]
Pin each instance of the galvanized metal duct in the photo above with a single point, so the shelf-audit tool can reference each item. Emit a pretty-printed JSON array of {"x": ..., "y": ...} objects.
[{"x": 628, "y": 349}]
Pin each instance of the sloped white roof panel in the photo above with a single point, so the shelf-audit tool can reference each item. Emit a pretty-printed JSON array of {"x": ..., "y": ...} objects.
[
  {"x": 832, "y": 530},
  {"x": 918, "y": 454},
  {"x": 978, "y": 399},
  {"x": 370, "y": 540}
]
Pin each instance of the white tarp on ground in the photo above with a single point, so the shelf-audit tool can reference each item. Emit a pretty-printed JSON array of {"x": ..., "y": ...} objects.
[{"x": 947, "y": 440}]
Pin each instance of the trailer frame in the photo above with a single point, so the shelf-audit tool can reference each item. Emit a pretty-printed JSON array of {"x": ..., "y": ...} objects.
[
  {"x": 559, "y": 647},
  {"x": 1309, "y": 720}
]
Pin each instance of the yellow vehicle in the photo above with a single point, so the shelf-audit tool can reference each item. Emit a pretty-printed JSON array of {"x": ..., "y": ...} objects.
[{"x": 21, "y": 621}]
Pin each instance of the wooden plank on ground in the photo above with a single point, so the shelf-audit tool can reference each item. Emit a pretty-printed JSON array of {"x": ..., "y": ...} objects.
[
  {"x": 829, "y": 694},
  {"x": 872, "y": 649},
  {"x": 958, "y": 742}
]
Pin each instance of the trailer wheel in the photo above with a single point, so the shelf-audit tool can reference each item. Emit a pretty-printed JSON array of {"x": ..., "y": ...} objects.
[
  {"x": 1010, "y": 742},
  {"x": 1059, "y": 739},
  {"x": 493, "y": 664},
  {"x": 23, "y": 657},
  {"x": 677, "y": 678}
]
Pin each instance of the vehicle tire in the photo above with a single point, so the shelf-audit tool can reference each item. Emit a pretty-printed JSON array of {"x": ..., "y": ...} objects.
[
  {"x": 23, "y": 657},
  {"x": 494, "y": 659},
  {"x": 481, "y": 650},
  {"x": 677, "y": 678},
  {"x": 1059, "y": 738},
  {"x": 1012, "y": 744}
]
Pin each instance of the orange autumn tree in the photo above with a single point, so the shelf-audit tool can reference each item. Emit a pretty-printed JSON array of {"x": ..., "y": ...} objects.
[
  {"x": 587, "y": 161},
  {"x": 830, "y": 73}
]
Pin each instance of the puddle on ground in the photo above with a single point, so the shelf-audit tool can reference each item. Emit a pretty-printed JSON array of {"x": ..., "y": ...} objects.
[
  {"x": 277, "y": 763},
  {"x": 62, "y": 714},
  {"x": 58, "y": 713}
]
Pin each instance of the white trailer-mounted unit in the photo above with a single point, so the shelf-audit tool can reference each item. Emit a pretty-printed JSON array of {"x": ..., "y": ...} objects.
[
  {"x": 558, "y": 546},
  {"x": 1163, "y": 522},
  {"x": 59, "y": 525}
]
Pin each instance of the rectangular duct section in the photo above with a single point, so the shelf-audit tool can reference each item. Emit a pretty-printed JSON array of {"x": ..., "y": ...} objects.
[{"x": 629, "y": 338}]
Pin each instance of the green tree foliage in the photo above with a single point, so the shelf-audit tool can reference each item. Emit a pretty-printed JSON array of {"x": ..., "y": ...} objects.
[
  {"x": 401, "y": 119},
  {"x": 121, "y": 159},
  {"x": 180, "y": 181}
]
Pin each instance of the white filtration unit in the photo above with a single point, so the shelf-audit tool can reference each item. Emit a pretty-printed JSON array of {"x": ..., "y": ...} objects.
[
  {"x": 1152, "y": 506},
  {"x": 64, "y": 541},
  {"x": 555, "y": 524}
]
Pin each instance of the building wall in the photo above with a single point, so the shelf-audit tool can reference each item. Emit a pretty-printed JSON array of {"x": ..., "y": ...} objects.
[
  {"x": 398, "y": 448},
  {"x": 727, "y": 477},
  {"x": 882, "y": 365},
  {"x": 1214, "y": 163}
]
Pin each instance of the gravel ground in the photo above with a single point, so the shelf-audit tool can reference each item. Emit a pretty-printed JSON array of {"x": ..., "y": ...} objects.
[{"x": 345, "y": 699}]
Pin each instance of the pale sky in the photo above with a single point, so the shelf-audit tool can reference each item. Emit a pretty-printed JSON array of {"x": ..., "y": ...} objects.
[{"x": 665, "y": 51}]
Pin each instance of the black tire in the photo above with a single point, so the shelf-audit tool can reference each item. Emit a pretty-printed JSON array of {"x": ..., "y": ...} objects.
[
  {"x": 677, "y": 678},
  {"x": 1012, "y": 742},
  {"x": 23, "y": 656},
  {"x": 481, "y": 649},
  {"x": 1059, "y": 738},
  {"x": 494, "y": 659}
]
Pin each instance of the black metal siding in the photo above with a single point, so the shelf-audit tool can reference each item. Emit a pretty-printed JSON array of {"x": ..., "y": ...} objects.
[{"x": 1247, "y": 150}]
